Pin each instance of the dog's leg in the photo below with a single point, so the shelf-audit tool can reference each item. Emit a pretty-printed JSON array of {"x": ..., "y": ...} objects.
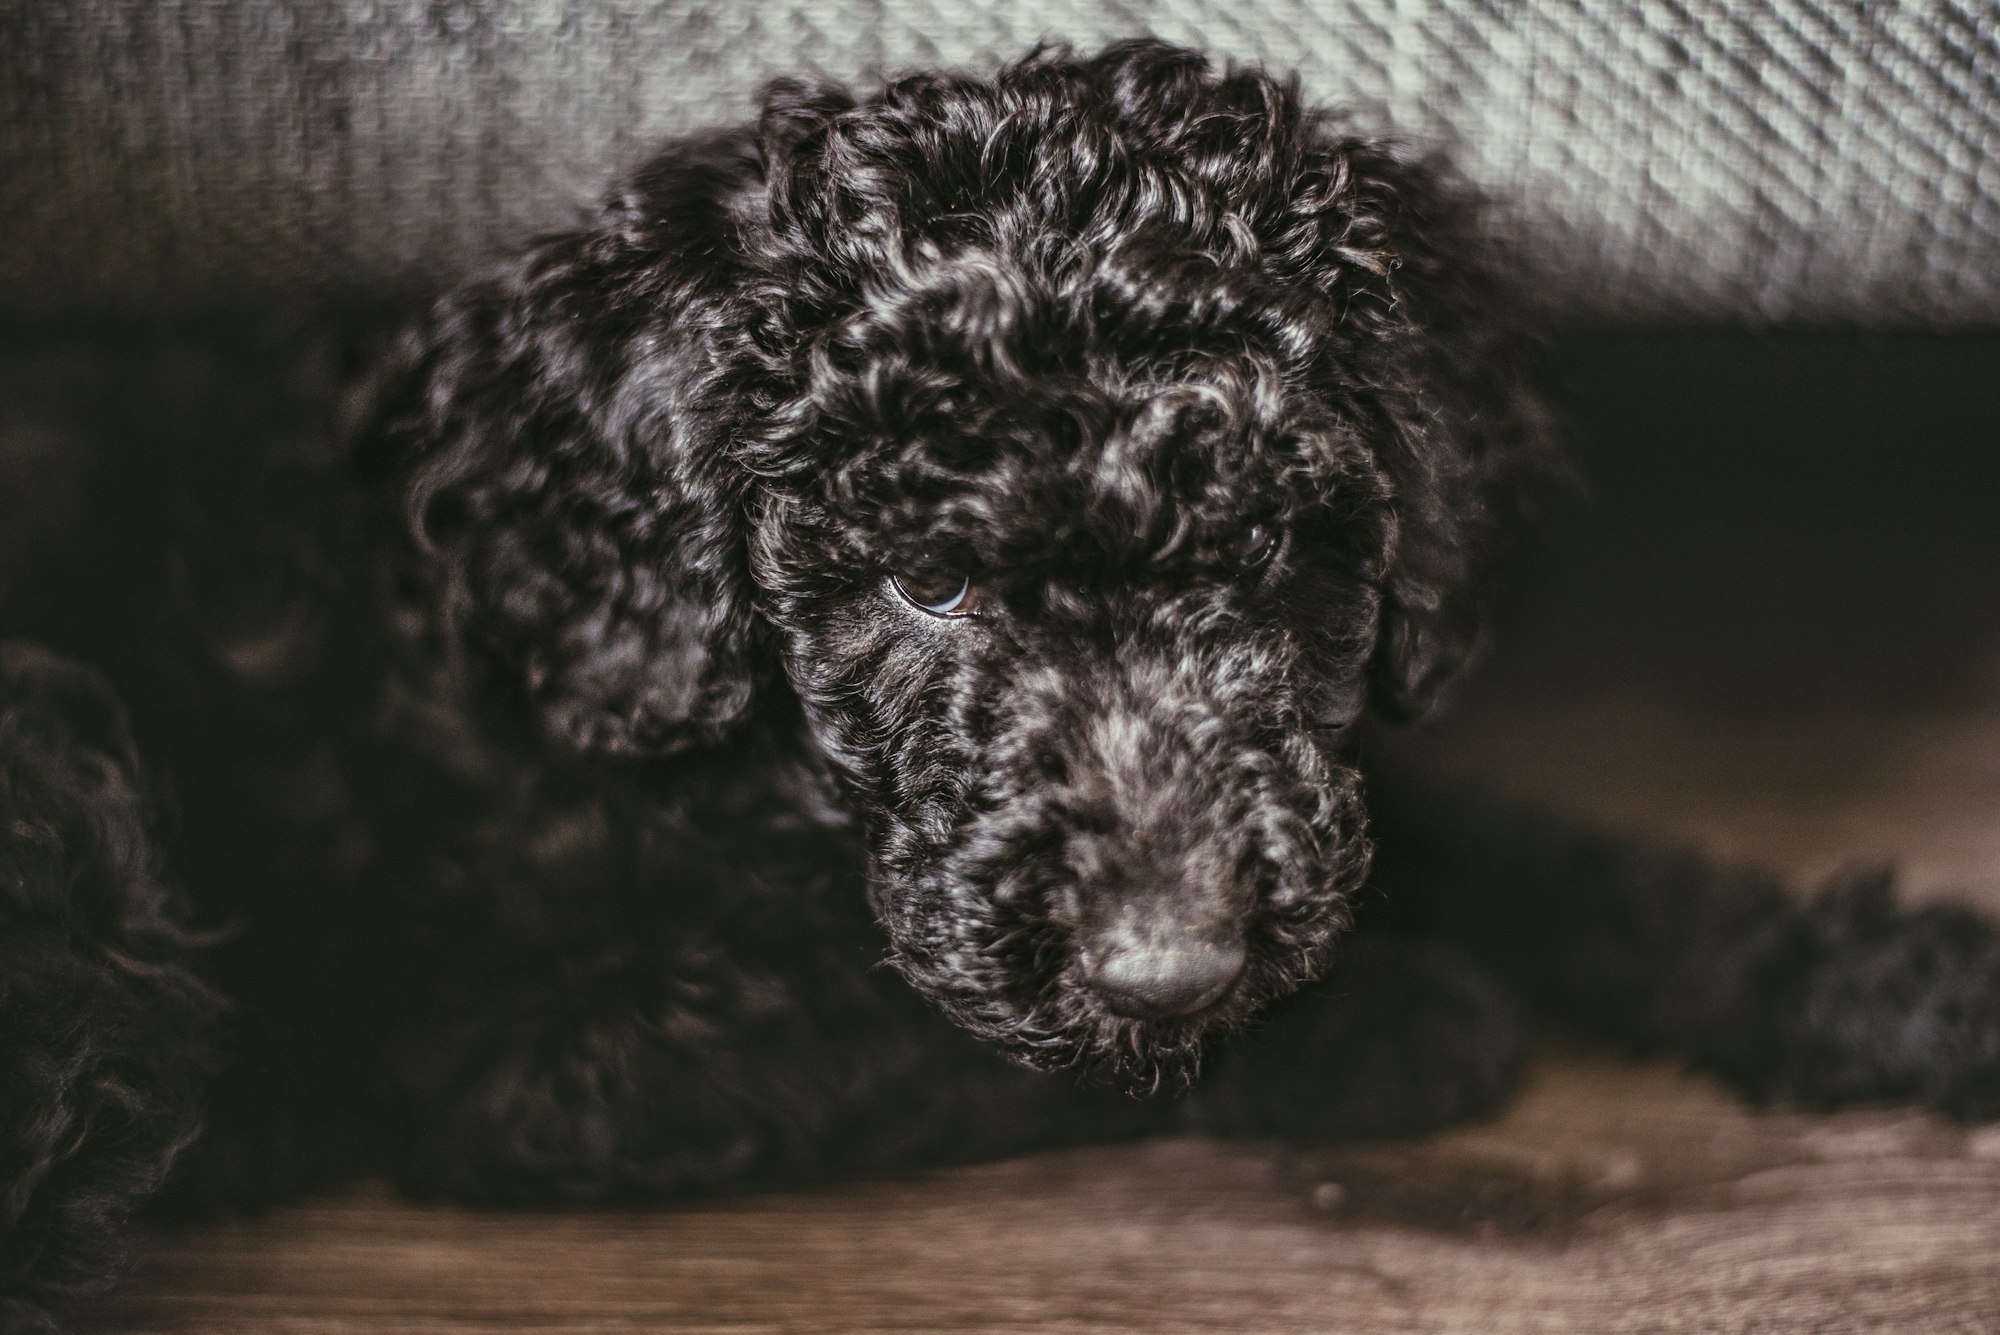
[
  {"x": 104, "y": 1031},
  {"x": 1401, "y": 1037},
  {"x": 714, "y": 1027},
  {"x": 735, "y": 1084},
  {"x": 1839, "y": 999}
]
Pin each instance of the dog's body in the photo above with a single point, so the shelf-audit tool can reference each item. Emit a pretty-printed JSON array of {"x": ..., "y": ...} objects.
[{"x": 961, "y": 527}]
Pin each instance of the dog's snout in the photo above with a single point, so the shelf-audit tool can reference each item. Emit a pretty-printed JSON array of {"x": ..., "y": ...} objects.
[{"x": 1150, "y": 979}]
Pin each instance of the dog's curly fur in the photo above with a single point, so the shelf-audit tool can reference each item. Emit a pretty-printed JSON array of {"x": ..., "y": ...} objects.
[{"x": 553, "y": 768}]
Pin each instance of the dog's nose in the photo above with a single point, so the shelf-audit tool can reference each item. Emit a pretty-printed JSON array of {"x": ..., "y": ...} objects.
[{"x": 1156, "y": 979}]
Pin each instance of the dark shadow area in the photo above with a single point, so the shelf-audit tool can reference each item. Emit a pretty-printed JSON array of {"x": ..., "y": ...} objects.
[{"x": 1768, "y": 518}]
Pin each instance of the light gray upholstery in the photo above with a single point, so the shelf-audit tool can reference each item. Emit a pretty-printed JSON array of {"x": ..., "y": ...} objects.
[{"x": 1815, "y": 159}]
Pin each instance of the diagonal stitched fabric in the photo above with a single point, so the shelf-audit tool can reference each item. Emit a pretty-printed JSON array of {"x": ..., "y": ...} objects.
[{"x": 1761, "y": 159}]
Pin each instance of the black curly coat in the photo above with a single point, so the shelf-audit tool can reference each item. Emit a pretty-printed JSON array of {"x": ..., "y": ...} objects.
[{"x": 958, "y": 527}]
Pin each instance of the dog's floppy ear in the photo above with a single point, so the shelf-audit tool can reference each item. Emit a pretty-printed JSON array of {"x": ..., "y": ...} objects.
[
  {"x": 555, "y": 436},
  {"x": 1435, "y": 340},
  {"x": 1418, "y": 335},
  {"x": 1477, "y": 461}
]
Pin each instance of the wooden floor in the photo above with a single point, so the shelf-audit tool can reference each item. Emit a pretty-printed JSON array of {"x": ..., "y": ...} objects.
[{"x": 1611, "y": 1198}]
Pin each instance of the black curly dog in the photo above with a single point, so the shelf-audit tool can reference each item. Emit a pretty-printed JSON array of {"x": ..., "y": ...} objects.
[{"x": 958, "y": 528}]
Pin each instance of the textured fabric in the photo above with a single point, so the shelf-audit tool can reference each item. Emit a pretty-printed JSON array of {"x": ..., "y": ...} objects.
[{"x": 1810, "y": 159}]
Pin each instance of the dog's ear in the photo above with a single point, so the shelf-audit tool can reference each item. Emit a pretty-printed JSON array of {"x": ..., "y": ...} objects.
[
  {"x": 1417, "y": 329},
  {"x": 1472, "y": 464},
  {"x": 555, "y": 437},
  {"x": 1434, "y": 345}
]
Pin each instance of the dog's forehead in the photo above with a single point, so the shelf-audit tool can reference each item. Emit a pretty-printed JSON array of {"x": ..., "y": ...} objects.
[
  {"x": 1068, "y": 466},
  {"x": 996, "y": 386}
]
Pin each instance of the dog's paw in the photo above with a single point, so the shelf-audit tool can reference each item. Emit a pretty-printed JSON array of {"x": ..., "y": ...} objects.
[
  {"x": 1401, "y": 1039},
  {"x": 1848, "y": 999}
]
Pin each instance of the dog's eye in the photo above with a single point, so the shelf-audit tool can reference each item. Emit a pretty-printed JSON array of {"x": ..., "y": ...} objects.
[
  {"x": 1254, "y": 546},
  {"x": 942, "y": 593}
]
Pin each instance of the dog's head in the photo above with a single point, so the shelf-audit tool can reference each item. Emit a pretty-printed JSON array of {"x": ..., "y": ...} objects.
[{"x": 1084, "y": 448}]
